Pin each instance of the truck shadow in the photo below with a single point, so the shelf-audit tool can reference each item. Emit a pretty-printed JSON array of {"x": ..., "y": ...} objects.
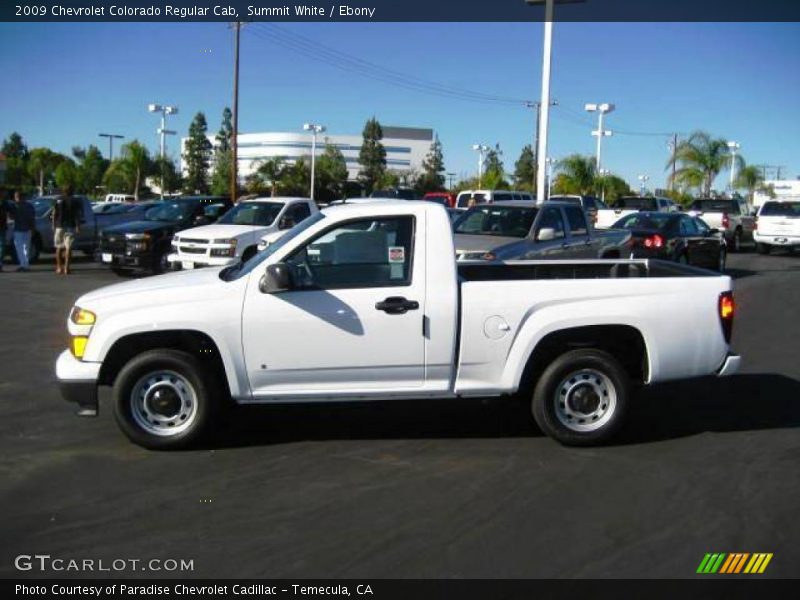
[{"x": 668, "y": 411}]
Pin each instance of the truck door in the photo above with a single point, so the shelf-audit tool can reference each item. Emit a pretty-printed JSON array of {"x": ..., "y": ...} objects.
[
  {"x": 580, "y": 244},
  {"x": 352, "y": 319},
  {"x": 550, "y": 236}
]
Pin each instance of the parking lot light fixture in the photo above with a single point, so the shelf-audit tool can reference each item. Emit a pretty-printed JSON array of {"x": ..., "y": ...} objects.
[
  {"x": 314, "y": 129},
  {"x": 643, "y": 179},
  {"x": 733, "y": 147},
  {"x": 481, "y": 149},
  {"x": 164, "y": 109},
  {"x": 600, "y": 109}
]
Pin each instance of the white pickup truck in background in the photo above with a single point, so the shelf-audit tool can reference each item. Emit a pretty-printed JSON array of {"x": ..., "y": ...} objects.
[
  {"x": 627, "y": 205},
  {"x": 235, "y": 237},
  {"x": 732, "y": 217},
  {"x": 777, "y": 226},
  {"x": 366, "y": 302}
]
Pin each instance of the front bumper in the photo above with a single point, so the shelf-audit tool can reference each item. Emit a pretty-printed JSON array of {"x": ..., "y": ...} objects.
[
  {"x": 730, "y": 366},
  {"x": 77, "y": 382},
  {"x": 179, "y": 262},
  {"x": 786, "y": 241},
  {"x": 125, "y": 261}
]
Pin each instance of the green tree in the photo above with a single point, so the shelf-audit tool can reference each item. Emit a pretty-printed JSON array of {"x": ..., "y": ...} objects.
[
  {"x": 41, "y": 164},
  {"x": 91, "y": 168},
  {"x": 167, "y": 168},
  {"x": 16, "y": 153},
  {"x": 432, "y": 177},
  {"x": 493, "y": 163},
  {"x": 295, "y": 179},
  {"x": 138, "y": 164},
  {"x": 66, "y": 175},
  {"x": 197, "y": 156},
  {"x": 331, "y": 175},
  {"x": 267, "y": 175},
  {"x": 576, "y": 174},
  {"x": 611, "y": 187},
  {"x": 524, "y": 170},
  {"x": 223, "y": 156},
  {"x": 750, "y": 178},
  {"x": 372, "y": 156},
  {"x": 698, "y": 160},
  {"x": 117, "y": 177}
]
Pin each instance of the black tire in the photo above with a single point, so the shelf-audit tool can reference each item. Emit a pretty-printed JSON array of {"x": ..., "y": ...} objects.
[
  {"x": 160, "y": 263},
  {"x": 249, "y": 253},
  {"x": 121, "y": 272},
  {"x": 200, "y": 407},
  {"x": 736, "y": 243},
  {"x": 36, "y": 249},
  {"x": 722, "y": 259},
  {"x": 763, "y": 248},
  {"x": 553, "y": 408}
]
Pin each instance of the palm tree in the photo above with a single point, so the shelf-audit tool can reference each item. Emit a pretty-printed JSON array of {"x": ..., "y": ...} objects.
[
  {"x": 42, "y": 164},
  {"x": 137, "y": 160},
  {"x": 751, "y": 178},
  {"x": 699, "y": 159},
  {"x": 577, "y": 175}
]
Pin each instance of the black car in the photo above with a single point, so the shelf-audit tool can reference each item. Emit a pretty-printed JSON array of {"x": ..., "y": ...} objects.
[
  {"x": 675, "y": 236},
  {"x": 143, "y": 245}
]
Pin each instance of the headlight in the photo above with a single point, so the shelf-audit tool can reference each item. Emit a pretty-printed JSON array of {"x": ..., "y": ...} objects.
[
  {"x": 229, "y": 251},
  {"x": 82, "y": 316},
  {"x": 230, "y": 242},
  {"x": 78, "y": 345}
]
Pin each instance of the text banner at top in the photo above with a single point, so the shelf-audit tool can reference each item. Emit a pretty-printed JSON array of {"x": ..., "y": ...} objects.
[{"x": 399, "y": 10}]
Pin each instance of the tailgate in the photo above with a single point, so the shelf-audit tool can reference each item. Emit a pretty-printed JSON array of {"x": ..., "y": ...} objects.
[{"x": 786, "y": 226}]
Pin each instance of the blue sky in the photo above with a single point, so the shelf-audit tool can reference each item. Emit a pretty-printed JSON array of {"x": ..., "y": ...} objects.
[{"x": 64, "y": 83}]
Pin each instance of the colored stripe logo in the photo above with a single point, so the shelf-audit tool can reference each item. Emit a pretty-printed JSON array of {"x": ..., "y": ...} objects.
[{"x": 734, "y": 563}]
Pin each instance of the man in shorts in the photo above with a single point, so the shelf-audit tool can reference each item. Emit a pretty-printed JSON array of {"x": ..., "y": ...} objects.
[{"x": 66, "y": 218}]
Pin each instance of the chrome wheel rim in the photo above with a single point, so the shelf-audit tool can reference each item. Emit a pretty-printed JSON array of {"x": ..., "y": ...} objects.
[
  {"x": 163, "y": 403},
  {"x": 585, "y": 400}
]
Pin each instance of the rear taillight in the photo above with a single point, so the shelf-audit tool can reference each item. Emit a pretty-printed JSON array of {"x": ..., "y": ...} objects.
[
  {"x": 726, "y": 310},
  {"x": 725, "y": 221},
  {"x": 654, "y": 241}
]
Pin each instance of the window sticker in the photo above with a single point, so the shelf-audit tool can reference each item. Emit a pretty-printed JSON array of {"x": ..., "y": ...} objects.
[{"x": 397, "y": 254}]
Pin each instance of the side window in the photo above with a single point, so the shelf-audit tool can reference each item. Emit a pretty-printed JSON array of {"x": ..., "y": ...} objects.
[
  {"x": 701, "y": 226},
  {"x": 551, "y": 219},
  {"x": 297, "y": 213},
  {"x": 364, "y": 253},
  {"x": 735, "y": 208},
  {"x": 576, "y": 220},
  {"x": 688, "y": 227},
  {"x": 590, "y": 203}
]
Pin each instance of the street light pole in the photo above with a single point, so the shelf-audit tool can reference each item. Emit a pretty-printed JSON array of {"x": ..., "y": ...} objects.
[
  {"x": 603, "y": 174},
  {"x": 537, "y": 137},
  {"x": 549, "y": 161},
  {"x": 733, "y": 146},
  {"x": 643, "y": 179},
  {"x": 314, "y": 129},
  {"x": 601, "y": 109},
  {"x": 165, "y": 110},
  {"x": 237, "y": 26},
  {"x": 111, "y": 137},
  {"x": 480, "y": 149}
]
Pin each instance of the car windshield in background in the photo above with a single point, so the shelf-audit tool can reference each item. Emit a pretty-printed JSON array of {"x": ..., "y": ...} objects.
[
  {"x": 636, "y": 203},
  {"x": 711, "y": 205},
  {"x": 42, "y": 205},
  {"x": 781, "y": 209},
  {"x": 252, "y": 213},
  {"x": 170, "y": 211},
  {"x": 496, "y": 220},
  {"x": 643, "y": 221}
]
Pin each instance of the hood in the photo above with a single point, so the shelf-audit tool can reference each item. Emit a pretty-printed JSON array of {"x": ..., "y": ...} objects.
[
  {"x": 474, "y": 243},
  {"x": 179, "y": 282},
  {"x": 139, "y": 227},
  {"x": 219, "y": 232}
]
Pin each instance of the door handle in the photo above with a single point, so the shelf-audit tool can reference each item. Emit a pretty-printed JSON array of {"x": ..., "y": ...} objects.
[{"x": 396, "y": 305}]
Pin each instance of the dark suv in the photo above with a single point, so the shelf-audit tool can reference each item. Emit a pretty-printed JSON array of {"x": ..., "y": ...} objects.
[{"x": 144, "y": 245}]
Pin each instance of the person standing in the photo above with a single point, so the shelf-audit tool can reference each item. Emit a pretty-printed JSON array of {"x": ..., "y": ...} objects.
[
  {"x": 24, "y": 224},
  {"x": 3, "y": 229},
  {"x": 66, "y": 220}
]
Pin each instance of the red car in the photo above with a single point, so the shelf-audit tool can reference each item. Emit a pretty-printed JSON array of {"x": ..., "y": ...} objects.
[{"x": 445, "y": 198}]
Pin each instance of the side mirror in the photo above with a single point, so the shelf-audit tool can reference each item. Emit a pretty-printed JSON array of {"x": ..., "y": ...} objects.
[
  {"x": 754, "y": 213},
  {"x": 546, "y": 234},
  {"x": 275, "y": 279}
]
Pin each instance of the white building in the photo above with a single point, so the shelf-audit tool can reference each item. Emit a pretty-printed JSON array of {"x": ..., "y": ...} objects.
[
  {"x": 785, "y": 189},
  {"x": 406, "y": 148}
]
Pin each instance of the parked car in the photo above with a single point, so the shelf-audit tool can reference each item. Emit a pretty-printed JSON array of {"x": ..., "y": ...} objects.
[
  {"x": 464, "y": 198},
  {"x": 446, "y": 199},
  {"x": 120, "y": 198},
  {"x": 365, "y": 302},
  {"x": 590, "y": 204},
  {"x": 521, "y": 230},
  {"x": 731, "y": 216},
  {"x": 145, "y": 245},
  {"x": 42, "y": 237},
  {"x": 237, "y": 235},
  {"x": 778, "y": 226},
  {"x": 627, "y": 205},
  {"x": 675, "y": 236},
  {"x": 399, "y": 193},
  {"x": 118, "y": 212}
]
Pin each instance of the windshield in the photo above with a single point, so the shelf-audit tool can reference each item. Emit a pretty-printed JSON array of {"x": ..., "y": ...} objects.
[
  {"x": 42, "y": 205},
  {"x": 643, "y": 221},
  {"x": 170, "y": 211},
  {"x": 780, "y": 209},
  {"x": 252, "y": 213},
  {"x": 496, "y": 220},
  {"x": 244, "y": 268},
  {"x": 637, "y": 203}
]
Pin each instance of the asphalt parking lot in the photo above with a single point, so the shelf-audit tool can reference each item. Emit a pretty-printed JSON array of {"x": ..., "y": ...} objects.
[{"x": 411, "y": 489}]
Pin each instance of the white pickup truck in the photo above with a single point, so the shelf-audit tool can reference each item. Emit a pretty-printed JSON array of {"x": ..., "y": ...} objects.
[
  {"x": 366, "y": 302},
  {"x": 236, "y": 236},
  {"x": 627, "y": 205}
]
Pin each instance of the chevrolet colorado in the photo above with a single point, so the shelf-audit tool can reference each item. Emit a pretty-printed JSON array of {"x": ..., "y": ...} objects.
[{"x": 366, "y": 302}]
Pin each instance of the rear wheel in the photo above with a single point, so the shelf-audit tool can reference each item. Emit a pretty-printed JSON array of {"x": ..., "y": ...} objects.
[
  {"x": 581, "y": 398},
  {"x": 163, "y": 400},
  {"x": 737, "y": 241},
  {"x": 762, "y": 248}
]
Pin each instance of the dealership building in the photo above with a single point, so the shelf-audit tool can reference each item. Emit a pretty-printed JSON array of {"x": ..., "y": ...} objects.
[
  {"x": 784, "y": 189},
  {"x": 406, "y": 148}
]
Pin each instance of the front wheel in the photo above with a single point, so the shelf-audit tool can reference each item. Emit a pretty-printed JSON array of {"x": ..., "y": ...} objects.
[
  {"x": 581, "y": 398},
  {"x": 162, "y": 400}
]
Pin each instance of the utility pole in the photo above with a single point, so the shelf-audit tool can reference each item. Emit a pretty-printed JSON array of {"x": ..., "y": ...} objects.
[
  {"x": 237, "y": 26},
  {"x": 538, "y": 107},
  {"x": 111, "y": 137},
  {"x": 673, "y": 146},
  {"x": 450, "y": 176}
]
